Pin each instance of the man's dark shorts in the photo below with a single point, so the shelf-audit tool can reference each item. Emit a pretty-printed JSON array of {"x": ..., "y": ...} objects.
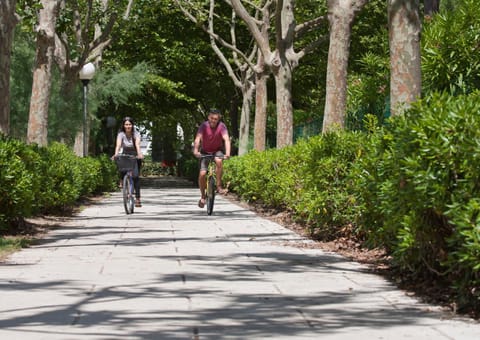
[{"x": 204, "y": 161}]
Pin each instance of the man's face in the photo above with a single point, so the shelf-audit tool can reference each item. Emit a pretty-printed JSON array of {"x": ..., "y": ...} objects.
[{"x": 213, "y": 120}]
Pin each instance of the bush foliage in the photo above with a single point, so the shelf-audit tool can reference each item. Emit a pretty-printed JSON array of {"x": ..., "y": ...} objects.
[
  {"x": 37, "y": 180},
  {"x": 411, "y": 187},
  {"x": 420, "y": 187}
]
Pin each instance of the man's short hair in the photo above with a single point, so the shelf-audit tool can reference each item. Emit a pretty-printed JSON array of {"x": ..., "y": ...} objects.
[{"x": 214, "y": 111}]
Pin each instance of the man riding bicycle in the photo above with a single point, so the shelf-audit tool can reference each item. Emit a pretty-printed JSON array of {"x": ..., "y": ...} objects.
[{"x": 213, "y": 137}]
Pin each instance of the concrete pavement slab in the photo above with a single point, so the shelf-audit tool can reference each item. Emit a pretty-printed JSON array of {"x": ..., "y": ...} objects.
[{"x": 169, "y": 271}]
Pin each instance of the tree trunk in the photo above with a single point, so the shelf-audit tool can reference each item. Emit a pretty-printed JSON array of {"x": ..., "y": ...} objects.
[
  {"x": 261, "y": 93},
  {"x": 261, "y": 100},
  {"x": 283, "y": 88},
  {"x": 283, "y": 64},
  {"x": 247, "y": 94},
  {"x": 42, "y": 74},
  {"x": 233, "y": 116},
  {"x": 340, "y": 16},
  {"x": 283, "y": 60},
  {"x": 404, "y": 39},
  {"x": 8, "y": 21}
]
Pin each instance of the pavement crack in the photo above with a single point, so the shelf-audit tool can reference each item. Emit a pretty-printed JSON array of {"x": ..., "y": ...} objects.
[{"x": 277, "y": 289}]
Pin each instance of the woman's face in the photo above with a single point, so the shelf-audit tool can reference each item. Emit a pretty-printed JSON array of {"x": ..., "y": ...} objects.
[{"x": 128, "y": 125}]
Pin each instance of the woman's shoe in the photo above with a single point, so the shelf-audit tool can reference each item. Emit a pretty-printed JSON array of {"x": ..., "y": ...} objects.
[{"x": 138, "y": 204}]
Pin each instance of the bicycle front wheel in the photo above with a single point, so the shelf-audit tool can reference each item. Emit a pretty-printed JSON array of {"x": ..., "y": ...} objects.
[
  {"x": 128, "y": 199},
  {"x": 210, "y": 194}
]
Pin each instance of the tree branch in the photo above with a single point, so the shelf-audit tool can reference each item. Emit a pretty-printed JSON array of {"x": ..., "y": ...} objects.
[
  {"x": 213, "y": 34},
  {"x": 309, "y": 26},
  {"x": 312, "y": 46},
  {"x": 217, "y": 51},
  {"x": 251, "y": 23},
  {"x": 128, "y": 10}
]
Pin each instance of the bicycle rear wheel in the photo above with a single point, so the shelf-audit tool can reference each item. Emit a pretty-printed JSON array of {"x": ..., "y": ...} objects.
[
  {"x": 128, "y": 199},
  {"x": 210, "y": 195}
]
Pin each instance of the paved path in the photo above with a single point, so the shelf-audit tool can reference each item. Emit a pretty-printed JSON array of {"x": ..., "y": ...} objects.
[{"x": 169, "y": 271}]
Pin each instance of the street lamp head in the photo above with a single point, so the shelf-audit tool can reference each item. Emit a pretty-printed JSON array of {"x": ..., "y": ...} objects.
[{"x": 87, "y": 72}]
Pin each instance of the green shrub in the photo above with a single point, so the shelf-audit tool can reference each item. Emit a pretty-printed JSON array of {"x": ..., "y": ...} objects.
[
  {"x": 40, "y": 180},
  {"x": 412, "y": 188},
  {"x": 325, "y": 191},
  {"x": 309, "y": 178},
  {"x": 150, "y": 168},
  {"x": 450, "y": 50},
  {"x": 108, "y": 180},
  {"x": 88, "y": 175},
  {"x": 188, "y": 167},
  {"x": 19, "y": 181},
  {"x": 266, "y": 177},
  {"x": 62, "y": 183},
  {"x": 420, "y": 186}
]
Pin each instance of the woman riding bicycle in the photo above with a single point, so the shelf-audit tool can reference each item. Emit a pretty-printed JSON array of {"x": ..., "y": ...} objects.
[
  {"x": 213, "y": 137},
  {"x": 128, "y": 143}
]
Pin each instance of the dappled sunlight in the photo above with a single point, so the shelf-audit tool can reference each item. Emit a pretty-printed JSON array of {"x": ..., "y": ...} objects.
[{"x": 170, "y": 271}]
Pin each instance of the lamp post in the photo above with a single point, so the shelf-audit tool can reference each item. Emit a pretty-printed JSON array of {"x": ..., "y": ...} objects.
[{"x": 86, "y": 74}]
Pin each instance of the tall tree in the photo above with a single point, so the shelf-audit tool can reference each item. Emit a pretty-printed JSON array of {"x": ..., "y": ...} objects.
[
  {"x": 239, "y": 66},
  {"x": 261, "y": 94},
  {"x": 178, "y": 54},
  {"x": 84, "y": 31},
  {"x": 42, "y": 72},
  {"x": 8, "y": 21},
  {"x": 86, "y": 34},
  {"x": 404, "y": 39},
  {"x": 252, "y": 77},
  {"x": 341, "y": 14},
  {"x": 243, "y": 81},
  {"x": 282, "y": 59}
]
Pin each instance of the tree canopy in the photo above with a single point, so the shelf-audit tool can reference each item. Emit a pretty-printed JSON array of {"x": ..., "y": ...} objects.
[{"x": 161, "y": 69}]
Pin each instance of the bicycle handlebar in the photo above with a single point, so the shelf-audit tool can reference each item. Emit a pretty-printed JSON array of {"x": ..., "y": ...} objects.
[{"x": 125, "y": 156}]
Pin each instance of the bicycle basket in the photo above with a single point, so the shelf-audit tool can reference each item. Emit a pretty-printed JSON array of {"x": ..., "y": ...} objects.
[{"x": 125, "y": 163}]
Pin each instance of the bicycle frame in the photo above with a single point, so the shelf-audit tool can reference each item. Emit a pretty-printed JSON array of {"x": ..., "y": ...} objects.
[
  {"x": 126, "y": 163},
  {"x": 211, "y": 182}
]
